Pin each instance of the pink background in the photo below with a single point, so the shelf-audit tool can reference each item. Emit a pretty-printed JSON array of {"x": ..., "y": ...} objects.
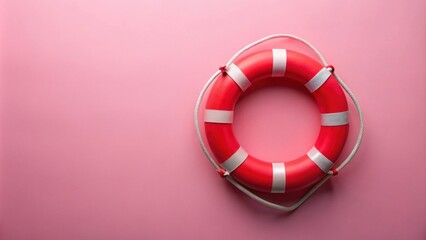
[{"x": 97, "y": 137}]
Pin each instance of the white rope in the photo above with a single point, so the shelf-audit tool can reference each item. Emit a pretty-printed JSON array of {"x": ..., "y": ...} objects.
[{"x": 329, "y": 173}]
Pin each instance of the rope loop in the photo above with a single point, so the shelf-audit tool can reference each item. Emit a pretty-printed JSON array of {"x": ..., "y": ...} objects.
[{"x": 332, "y": 172}]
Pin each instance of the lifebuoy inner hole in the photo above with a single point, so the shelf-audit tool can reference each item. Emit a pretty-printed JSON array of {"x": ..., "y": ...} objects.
[{"x": 276, "y": 120}]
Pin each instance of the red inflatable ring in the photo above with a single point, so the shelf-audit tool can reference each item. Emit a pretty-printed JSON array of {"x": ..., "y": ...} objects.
[{"x": 285, "y": 65}]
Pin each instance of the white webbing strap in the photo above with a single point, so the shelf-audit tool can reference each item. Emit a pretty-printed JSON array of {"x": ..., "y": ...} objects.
[
  {"x": 238, "y": 76},
  {"x": 319, "y": 159},
  {"x": 318, "y": 80},
  {"x": 278, "y": 178},
  {"x": 279, "y": 62},
  {"x": 234, "y": 161},
  {"x": 218, "y": 116},
  {"x": 329, "y": 173},
  {"x": 334, "y": 119}
]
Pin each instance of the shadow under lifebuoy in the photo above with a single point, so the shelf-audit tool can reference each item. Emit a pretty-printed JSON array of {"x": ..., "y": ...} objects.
[{"x": 284, "y": 199}]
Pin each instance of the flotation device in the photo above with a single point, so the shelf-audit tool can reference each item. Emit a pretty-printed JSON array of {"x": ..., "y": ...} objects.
[
  {"x": 285, "y": 65},
  {"x": 246, "y": 172}
]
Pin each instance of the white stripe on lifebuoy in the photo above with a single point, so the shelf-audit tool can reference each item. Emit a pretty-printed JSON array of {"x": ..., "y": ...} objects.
[
  {"x": 318, "y": 80},
  {"x": 334, "y": 119},
  {"x": 319, "y": 159},
  {"x": 279, "y": 62},
  {"x": 218, "y": 116},
  {"x": 238, "y": 76},
  {"x": 235, "y": 160},
  {"x": 278, "y": 178}
]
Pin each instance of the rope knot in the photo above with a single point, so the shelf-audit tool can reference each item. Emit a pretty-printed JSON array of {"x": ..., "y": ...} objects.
[
  {"x": 223, "y": 69},
  {"x": 330, "y": 68},
  {"x": 335, "y": 172},
  {"x": 222, "y": 172}
]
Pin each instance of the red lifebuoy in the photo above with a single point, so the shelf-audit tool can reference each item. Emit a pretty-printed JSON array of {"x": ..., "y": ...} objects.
[{"x": 285, "y": 65}]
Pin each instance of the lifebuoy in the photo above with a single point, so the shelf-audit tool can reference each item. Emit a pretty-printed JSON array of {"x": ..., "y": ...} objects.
[{"x": 285, "y": 65}]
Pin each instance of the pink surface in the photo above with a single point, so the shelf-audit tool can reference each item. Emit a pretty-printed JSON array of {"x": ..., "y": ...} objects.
[{"x": 97, "y": 138}]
